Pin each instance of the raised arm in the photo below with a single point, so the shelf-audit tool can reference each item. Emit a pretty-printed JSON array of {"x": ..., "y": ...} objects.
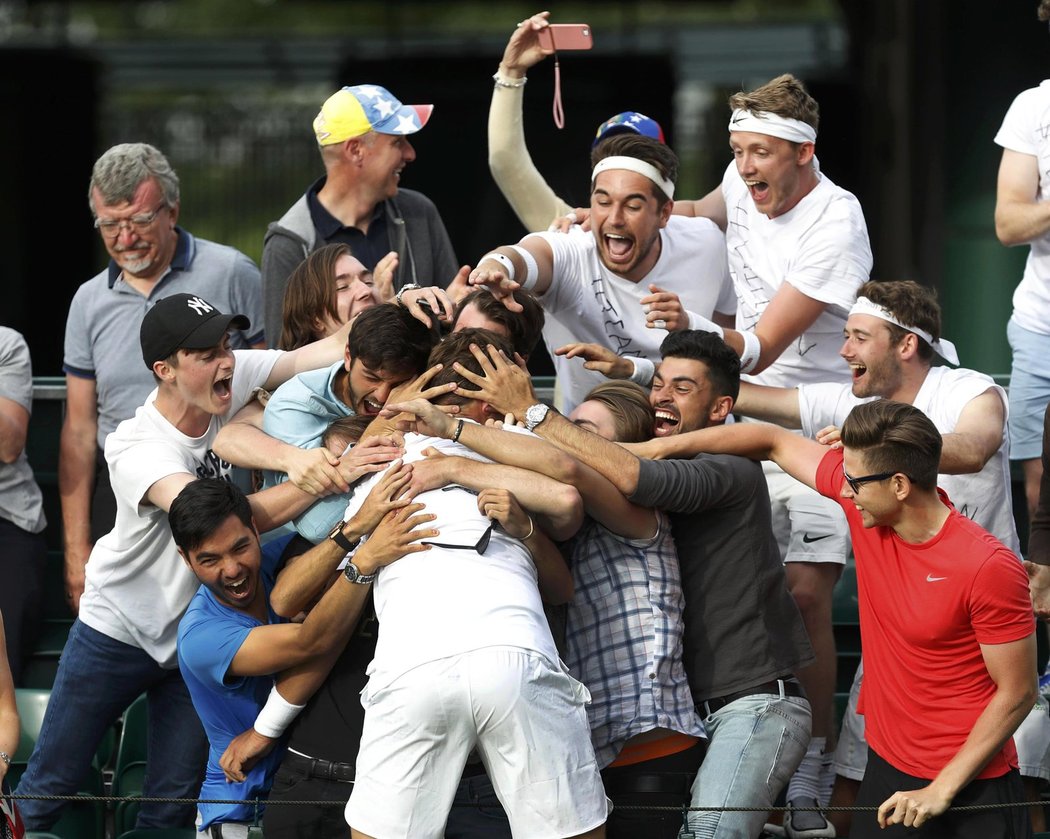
[
  {"x": 1020, "y": 216},
  {"x": 318, "y": 354},
  {"x": 504, "y": 276},
  {"x": 1012, "y": 668},
  {"x": 978, "y": 435},
  {"x": 529, "y": 195}
]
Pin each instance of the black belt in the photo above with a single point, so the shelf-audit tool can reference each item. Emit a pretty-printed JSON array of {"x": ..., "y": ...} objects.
[
  {"x": 314, "y": 767},
  {"x": 779, "y": 687},
  {"x": 669, "y": 783}
]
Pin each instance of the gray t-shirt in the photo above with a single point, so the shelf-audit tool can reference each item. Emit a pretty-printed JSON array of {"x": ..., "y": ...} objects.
[
  {"x": 102, "y": 330},
  {"x": 742, "y": 627},
  {"x": 20, "y": 500}
]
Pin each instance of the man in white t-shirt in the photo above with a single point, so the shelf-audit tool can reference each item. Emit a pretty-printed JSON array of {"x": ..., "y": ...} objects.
[
  {"x": 638, "y": 274},
  {"x": 1022, "y": 217},
  {"x": 798, "y": 250},
  {"x": 466, "y": 660},
  {"x": 892, "y": 335},
  {"x": 123, "y": 642}
]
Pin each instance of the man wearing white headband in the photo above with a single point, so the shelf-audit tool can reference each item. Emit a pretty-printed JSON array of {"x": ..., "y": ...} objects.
[
  {"x": 798, "y": 250},
  {"x": 891, "y": 337},
  {"x": 637, "y": 274}
]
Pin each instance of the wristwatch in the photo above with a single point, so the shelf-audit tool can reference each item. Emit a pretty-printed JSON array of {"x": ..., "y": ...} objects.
[
  {"x": 340, "y": 539},
  {"x": 354, "y": 575},
  {"x": 535, "y": 414}
]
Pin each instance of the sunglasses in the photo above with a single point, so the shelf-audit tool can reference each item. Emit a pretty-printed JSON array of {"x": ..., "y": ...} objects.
[
  {"x": 856, "y": 483},
  {"x": 479, "y": 546}
]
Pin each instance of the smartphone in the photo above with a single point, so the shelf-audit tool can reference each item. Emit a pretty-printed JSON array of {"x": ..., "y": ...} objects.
[{"x": 566, "y": 36}]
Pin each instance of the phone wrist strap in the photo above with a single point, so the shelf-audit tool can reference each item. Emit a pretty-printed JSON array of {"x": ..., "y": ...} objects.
[{"x": 559, "y": 113}]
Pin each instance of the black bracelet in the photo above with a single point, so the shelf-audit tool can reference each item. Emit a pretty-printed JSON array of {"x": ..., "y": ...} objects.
[{"x": 459, "y": 430}]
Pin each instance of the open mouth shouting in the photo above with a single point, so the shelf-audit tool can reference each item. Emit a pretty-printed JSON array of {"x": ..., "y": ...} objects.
[
  {"x": 759, "y": 190},
  {"x": 370, "y": 406},
  {"x": 618, "y": 248},
  {"x": 667, "y": 422},
  {"x": 223, "y": 389}
]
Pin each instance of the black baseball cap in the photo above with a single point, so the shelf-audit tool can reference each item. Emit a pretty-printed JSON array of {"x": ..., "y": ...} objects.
[{"x": 183, "y": 322}]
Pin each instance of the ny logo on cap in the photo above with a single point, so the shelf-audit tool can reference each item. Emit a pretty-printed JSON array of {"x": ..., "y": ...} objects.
[{"x": 199, "y": 306}]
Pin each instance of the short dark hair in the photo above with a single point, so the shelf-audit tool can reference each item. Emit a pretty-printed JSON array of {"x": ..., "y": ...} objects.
[
  {"x": 201, "y": 508},
  {"x": 912, "y": 304},
  {"x": 895, "y": 437},
  {"x": 524, "y": 327},
  {"x": 644, "y": 148},
  {"x": 723, "y": 364},
  {"x": 387, "y": 337},
  {"x": 456, "y": 347}
]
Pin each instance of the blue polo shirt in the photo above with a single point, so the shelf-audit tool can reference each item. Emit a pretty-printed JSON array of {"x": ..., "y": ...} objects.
[
  {"x": 102, "y": 329},
  {"x": 368, "y": 247}
]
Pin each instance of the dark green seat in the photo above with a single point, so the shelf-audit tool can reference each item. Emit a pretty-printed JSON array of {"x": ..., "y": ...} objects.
[
  {"x": 159, "y": 833},
  {"x": 129, "y": 771}
]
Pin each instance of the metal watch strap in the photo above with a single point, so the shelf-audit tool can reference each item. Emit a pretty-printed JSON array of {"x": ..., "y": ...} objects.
[
  {"x": 353, "y": 574},
  {"x": 403, "y": 289}
]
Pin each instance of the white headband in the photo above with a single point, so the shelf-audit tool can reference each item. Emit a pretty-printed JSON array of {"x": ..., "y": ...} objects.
[
  {"x": 944, "y": 348},
  {"x": 766, "y": 122},
  {"x": 633, "y": 164}
]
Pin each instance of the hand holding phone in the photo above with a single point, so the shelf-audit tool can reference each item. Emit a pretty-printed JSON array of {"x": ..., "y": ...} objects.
[{"x": 566, "y": 36}]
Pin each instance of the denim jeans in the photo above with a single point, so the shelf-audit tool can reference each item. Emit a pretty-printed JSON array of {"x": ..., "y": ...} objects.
[
  {"x": 755, "y": 745},
  {"x": 98, "y": 677}
]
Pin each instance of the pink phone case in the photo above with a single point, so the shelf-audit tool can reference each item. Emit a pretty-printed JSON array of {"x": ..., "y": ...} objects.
[{"x": 566, "y": 36}]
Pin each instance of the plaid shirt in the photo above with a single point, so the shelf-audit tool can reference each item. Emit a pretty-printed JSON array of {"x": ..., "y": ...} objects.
[{"x": 624, "y": 636}]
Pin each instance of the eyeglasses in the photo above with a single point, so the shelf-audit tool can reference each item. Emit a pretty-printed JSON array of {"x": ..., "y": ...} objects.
[
  {"x": 856, "y": 483},
  {"x": 140, "y": 224},
  {"x": 479, "y": 547}
]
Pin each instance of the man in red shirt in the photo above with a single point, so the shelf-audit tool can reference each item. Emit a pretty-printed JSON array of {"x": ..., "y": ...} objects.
[{"x": 946, "y": 623}]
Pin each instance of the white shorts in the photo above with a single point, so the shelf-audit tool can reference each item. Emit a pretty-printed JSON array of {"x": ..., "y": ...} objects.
[
  {"x": 1032, "y": 739},
  {"x": 528, "y": 721},
  {"x": 808, "y": 527}
]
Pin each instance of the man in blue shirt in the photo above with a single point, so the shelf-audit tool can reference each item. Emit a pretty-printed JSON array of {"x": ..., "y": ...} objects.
[{"x": 232, "y": 642}]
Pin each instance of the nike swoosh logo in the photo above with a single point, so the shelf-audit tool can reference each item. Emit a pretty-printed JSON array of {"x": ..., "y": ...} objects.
[
  {"x": 738, "y": 119},
  {"x": 807, "y": 538},
  {"x": 932, "y": 579}
]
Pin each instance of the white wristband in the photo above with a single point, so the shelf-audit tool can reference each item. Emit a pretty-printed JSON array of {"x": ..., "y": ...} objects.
[
  {"x": 644, "y": 370},
  {"x": 503, "y": 260},
  {"x": 277, "y": 714},
  {"x": 532, "y": 270},
  {"x": 704, "y": 325},
  {"x": 752, "y": 351}
]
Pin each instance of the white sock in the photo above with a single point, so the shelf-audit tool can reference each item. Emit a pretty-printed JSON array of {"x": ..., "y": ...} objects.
[
  {"x": 805, "y": 783},
  {"x": 827, "y": 778}
]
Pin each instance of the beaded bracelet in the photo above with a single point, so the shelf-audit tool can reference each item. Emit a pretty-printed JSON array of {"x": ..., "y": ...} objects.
[{"x": 511, "y": 83}]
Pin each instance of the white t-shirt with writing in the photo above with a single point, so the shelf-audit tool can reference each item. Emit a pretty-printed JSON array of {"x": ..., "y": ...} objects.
[
  {"x": 137, "y": 585},
  {"x": 588, "y": 302},
  {"x": 821, "y": 248}
]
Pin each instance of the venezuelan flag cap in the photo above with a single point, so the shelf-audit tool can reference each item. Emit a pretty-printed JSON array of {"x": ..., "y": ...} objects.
[
  {"x": 629, "y": 122},
  {"x": 356, "y": 110}
]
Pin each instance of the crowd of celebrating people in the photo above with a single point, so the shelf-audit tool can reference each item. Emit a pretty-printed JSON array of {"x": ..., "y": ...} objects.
[{"x": 320, "y": 517}]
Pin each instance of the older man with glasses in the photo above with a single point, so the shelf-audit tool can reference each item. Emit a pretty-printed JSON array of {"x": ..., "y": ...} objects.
[{"x": 134, "y": 197}]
